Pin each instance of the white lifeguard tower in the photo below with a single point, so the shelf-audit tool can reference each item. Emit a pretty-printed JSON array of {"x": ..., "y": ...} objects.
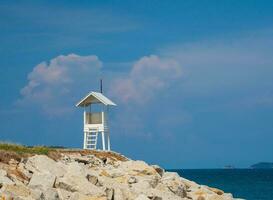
[{"x": 95, "y": 123}]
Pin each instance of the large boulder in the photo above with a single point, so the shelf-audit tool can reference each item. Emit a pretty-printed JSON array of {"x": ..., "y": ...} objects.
[
  {"x": 25, "y": 172},
  {"x": 96, "y": 177},
  {"x": 42, "y": 163},
  {"x": 42, "y": 180},
  {"x": 4, "y": 179},
  {"x": 137, "y": 168},
  {"x": 174, "y": 183},
  {"x": 75, "y": 180},
  {"x": 142, "y": 186}
]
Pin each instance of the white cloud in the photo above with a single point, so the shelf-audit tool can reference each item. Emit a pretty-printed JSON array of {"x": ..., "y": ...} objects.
[
  {"x": 148, "y": 76},
  {"x": 210, "y": 70},
  {"x": 216, "y": 75},
  {"x": 55, "y": 86}
]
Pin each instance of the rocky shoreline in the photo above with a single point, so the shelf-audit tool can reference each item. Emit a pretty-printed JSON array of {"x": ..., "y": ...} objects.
[{"x": 95, "y": 175}]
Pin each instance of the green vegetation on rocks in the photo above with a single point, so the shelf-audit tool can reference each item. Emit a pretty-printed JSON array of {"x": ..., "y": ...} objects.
[{"x": 20, "y": 149}]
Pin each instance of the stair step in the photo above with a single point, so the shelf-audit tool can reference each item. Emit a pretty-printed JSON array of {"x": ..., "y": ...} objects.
[{"x": 91, "y": 140}]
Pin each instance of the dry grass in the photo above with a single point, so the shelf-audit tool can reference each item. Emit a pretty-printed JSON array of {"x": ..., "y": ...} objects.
[
  {"x": 21, "y": 149},
  {"x": 100, "y": 154},
  {"x": 6, "y": 156},
  {"x": 10, "y": 151}
]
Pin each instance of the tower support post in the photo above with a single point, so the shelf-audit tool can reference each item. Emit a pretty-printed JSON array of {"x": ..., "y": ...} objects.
[
  {"x": 108, "y": 141},
  {"x": 84, "y": 140},
  {"x": 103, "y": 140}
]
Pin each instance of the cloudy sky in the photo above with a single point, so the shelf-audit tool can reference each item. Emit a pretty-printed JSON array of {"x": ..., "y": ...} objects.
[{"x": 193, "y": 80}]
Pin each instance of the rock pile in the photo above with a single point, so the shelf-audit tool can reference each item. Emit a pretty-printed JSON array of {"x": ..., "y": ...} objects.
[{"x": 74, "y": 176}]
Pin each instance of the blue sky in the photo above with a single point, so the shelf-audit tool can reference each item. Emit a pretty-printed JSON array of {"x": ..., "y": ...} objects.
[{"x": 192, "y": 79}]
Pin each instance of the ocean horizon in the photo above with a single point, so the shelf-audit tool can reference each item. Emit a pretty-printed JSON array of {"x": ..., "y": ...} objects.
[{"x": 245, "y": 183}]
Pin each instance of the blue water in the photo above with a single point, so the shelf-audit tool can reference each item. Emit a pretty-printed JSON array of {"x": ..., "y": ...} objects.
[{"x": 250, "y": 184}]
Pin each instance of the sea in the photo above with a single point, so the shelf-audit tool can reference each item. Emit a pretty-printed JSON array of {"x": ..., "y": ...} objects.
[{"x": 250, "y": 184}]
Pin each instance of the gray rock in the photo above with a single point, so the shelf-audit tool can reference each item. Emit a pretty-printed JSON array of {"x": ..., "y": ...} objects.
[
  {"x": 132, "y": 180},
  {"x": 154, "y": 180},
  {"x": 118, "y": 194},
  {"x": 90, "y": 160},
  {"x": 75, "y": 183},
  {"x": 142, "y": 186},
  {"x": 50, "y": 194},
  {"x": 92, "y": 179},
  {"x": 83, "y": 159},
  {"x": 63, "y": 194},
  {"x": 155, "y": 198},
  {"x": 24, "y": 171},
  {"x": 36, "y": 193},
  {"x": 142, "y": 197},
  {"x": 137, "y": 168},
  {"x": 4, "y": 179},
  {"x": 158, "y": 169},
  {"x": 42, "y": 163},
  {"x": 65, "y": 185},
  {"x": 174, "y": 183},
  {"x": 109, "y": 193},
  {"x": 43, "y": 180},
  {"x": 77, "y": 177}
]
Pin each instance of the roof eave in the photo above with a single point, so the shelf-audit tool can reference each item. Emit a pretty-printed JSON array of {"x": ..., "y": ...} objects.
[{"x": 94, "y": 94}]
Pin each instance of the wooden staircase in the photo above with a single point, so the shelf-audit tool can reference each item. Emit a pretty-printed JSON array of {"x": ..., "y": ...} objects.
[{"x": 91, "y": 140}]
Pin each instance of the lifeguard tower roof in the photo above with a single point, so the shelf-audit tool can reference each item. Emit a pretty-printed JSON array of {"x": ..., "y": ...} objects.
[{"x": 93, "y": 98}]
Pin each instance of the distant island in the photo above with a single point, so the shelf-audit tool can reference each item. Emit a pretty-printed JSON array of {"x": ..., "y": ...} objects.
[{"x": 262, "y": 165}]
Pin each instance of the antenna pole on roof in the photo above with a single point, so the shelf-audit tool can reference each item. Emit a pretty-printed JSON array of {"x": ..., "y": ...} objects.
[{"x": 100, "y": 85}]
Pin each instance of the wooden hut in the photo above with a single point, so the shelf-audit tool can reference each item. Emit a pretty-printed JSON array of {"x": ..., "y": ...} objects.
[{"x": 96, "y": 122}]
